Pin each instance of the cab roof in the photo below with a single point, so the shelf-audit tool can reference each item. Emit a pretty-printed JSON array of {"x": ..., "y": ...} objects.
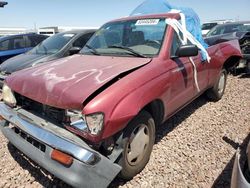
[{"x": 166, "y": 15}]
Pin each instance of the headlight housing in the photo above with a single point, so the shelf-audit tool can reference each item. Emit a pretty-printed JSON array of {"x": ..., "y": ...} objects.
[
  {"x": 8, "y": 96},
  {"x": 91, "y": 122},
  {"x": 95, "y": 123}
]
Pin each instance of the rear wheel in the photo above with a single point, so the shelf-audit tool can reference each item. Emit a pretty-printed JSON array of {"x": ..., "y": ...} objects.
[
  {"x": 138, "y": 141},
  {"x": 215, "y": 93}
]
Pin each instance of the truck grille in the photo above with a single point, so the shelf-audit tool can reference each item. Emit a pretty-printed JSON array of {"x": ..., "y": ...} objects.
[{"x": 52, "y": 114}]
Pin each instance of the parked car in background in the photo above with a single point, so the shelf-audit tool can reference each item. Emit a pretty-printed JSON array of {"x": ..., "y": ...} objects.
[
  {"x": 55, "y": 47},
  {"x": 3, "y": 3},
  {"x": 88, "y": 117},
  {"x": 232, "y": 31},
  {"x": 241, "y": 177},
  {"x": 17, "y": 44},
  {"x": 227, "y": 28},
  {"x": 207, "y": 26}
]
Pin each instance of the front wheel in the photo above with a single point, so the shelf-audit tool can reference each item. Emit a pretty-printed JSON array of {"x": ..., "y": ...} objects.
[
  {"x": 138, "y": 141},
  {"x": 215, "y": 93}
]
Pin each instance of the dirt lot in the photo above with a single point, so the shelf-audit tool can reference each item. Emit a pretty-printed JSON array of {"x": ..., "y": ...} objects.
[{"x": 195, "y": 148}]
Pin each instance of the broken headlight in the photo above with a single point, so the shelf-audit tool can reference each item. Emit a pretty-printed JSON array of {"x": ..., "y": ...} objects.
[
  {"x": 91, "y": 122},
  {"x": 95, "y": 123},
  {"x": 76, "y": 120},
  {"x": 8, "y": 96}
]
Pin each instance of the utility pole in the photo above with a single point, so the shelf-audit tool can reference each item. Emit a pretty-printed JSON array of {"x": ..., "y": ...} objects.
[{"x": 3, "y": 3}]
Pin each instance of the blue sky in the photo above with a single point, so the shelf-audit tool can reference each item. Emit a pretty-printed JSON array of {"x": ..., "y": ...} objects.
[{"x": 26, "y": 13}]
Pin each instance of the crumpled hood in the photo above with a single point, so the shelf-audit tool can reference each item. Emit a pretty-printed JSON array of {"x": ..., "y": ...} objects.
[
  {"x": 68, "y": 82},
  {"x": 22, "y": 61}
]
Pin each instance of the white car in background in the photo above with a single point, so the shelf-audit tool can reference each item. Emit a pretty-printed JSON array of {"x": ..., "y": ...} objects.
[{"x": 207, "y": 26}]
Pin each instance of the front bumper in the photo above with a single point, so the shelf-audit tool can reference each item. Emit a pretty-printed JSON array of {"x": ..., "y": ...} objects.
[{"x": 36, "y": 138}]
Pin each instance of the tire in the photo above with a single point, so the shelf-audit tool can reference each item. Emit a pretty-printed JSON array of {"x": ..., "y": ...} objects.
[
  {"x": 215, "y": 93},
  {"x": 132, "y": 159},
  {"x": 248, "y": 67}
]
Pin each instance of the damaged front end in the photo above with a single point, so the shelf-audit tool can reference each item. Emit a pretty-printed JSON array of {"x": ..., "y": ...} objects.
[{"x": 57, "y": 150}]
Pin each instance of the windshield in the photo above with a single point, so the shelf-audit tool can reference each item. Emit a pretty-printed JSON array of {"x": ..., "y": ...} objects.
[
  {"x": 141, "y": 38},
  {"x": 229, "y": 28},
  {"x": 52, "y": 44}
]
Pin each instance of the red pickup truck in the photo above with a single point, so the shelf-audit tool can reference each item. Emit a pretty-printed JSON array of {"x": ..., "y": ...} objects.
[{"x": 91, "y": 116}]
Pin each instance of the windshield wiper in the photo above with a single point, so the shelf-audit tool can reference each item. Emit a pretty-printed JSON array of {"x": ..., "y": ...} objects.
[
  {"x": 92, "y": 50},
  {"x": 138, "y": 54}
]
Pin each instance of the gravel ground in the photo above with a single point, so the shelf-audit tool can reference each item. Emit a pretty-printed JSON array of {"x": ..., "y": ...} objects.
[{"x": 195, "y": 148}]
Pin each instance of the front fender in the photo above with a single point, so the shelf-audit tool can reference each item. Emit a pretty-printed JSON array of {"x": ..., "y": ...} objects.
[
  {"x": 125, "y": 98},
  {"x": 135, "y": 101}
]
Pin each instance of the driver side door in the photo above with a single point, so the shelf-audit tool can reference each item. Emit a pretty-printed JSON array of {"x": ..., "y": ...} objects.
[{"x": 181, "y": 79}]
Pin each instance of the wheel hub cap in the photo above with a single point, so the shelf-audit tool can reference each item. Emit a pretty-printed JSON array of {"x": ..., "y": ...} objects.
[
  {"x": 221, "y": 83},
  {"x": 138, "y": 144}
]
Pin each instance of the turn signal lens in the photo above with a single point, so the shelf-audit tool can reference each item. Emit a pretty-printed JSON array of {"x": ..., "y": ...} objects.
[{"x": 61, "y": 157}]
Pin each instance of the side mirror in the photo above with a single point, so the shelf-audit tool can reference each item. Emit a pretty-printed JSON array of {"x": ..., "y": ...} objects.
[
  {"x": 74, "y": 50},
  {"x": 187, "y": 51}
]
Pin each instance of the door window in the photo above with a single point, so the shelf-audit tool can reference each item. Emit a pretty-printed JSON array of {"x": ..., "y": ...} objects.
[
  {"x": 175, "y": 45},
  {"x": 18, "y": 43},
  {"x": 4, "y": 45}
]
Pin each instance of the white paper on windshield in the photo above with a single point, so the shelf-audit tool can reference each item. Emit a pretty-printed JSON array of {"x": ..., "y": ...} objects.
[
  {"x": 147, "y": 22},
  {"x": 247, "y": 24},
  {"x": 68, "y": 35}
]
